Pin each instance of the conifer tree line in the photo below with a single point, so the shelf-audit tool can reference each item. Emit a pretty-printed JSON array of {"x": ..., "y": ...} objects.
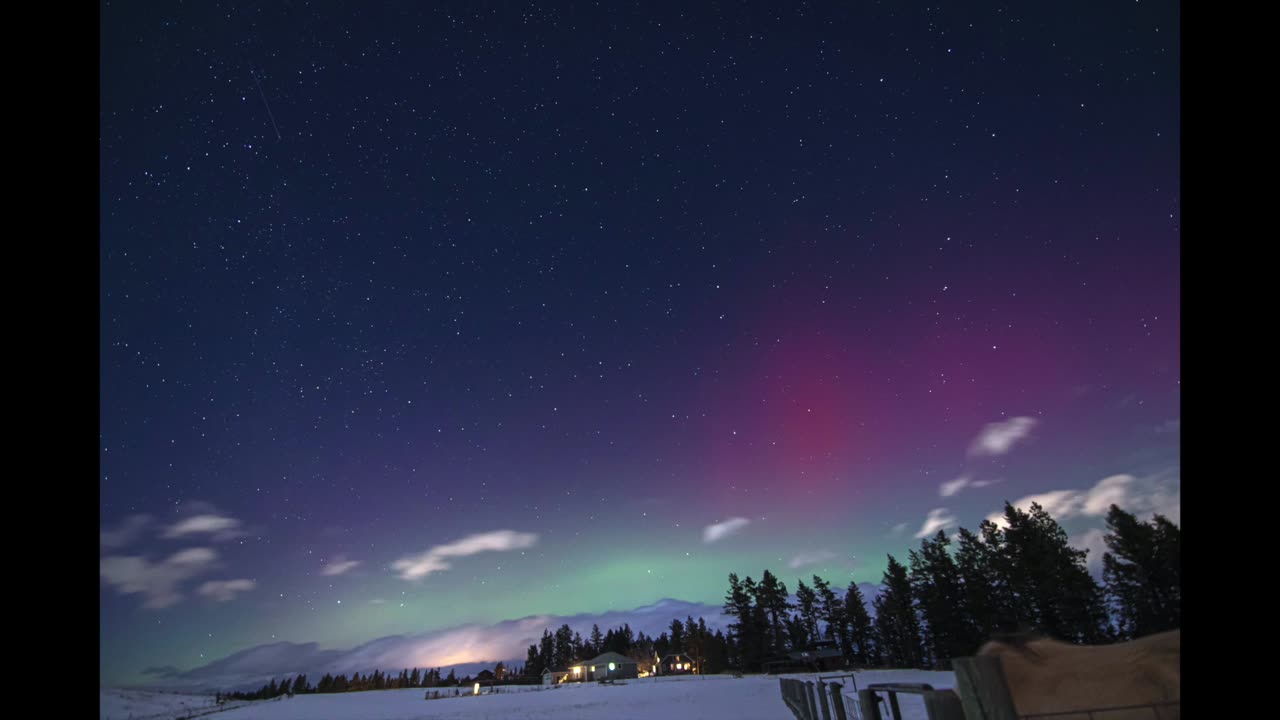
[
  {"x": 946, "y": 601},
  {"x": 559, "y": 650}
]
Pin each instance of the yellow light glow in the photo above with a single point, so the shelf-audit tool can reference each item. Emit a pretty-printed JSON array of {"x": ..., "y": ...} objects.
[
  {"x": 610, "y": 667},
  {"x": 477, "y": 689}
]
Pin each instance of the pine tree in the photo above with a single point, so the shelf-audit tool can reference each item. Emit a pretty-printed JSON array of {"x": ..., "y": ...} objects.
[
  {"x": 939, "y": 596},
  {"x": 771, "y": 594},
  {"x": 1142, "y": 572},
  {"x": 677, "y": 636},
  {"x": 985, "y": 595},
  {"x": 597, "y": 641},
  {"x": 797, "y": 633},
  {"x": 1051, "y": 578},
  {"x": 807, "y": 601},
  {"x": 861, "y": 633},
  {"x": 745, "y": 640},
  {"x": 415, "y": 679},
  {"x": 897, "y": 627},
  {"x": 831, "y": 612}
]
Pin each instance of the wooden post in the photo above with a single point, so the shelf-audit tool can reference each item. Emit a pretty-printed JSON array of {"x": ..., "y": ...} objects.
[
  {"x": 983, "y": 690},
  {"x": 837, "y": 702},
  {"x": 943, "y": 705},
  {"x": 809, "y": 702},
  {"x": 867, "y": 703},
  {"x": 822, "y": 700},
  {"x": 893, "y": 706}
]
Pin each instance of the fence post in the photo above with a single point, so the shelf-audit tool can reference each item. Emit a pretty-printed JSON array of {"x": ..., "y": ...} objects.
[
  {"x": 867, "y": 703},
  {"x": 822, "y": 700},
  {"x": 837, "y": 702},
  {"x": 983, "y": 690}
]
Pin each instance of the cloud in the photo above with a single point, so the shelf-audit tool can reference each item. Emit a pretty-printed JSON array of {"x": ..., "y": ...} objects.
[
  {"x": 811, "y": 558},
  {"x": 720, "y": 531},
  {"x": 951, "y": 487},
  {"x": 898, "y": 529},
  {"x": 1160, "y": 493},
  {"x": 157, "y": 582},
  {"x": 1093, "y": 541},
  {"x": 416, "y": 567},
  {"x": 339, "y": 565},
  {"x": 124, "y": 534},
  {"x": 225, "y": 590},
  {"x": 937, "y": 520},
  {"x": 999, "y": 438},
  {"x": 219, "y": 527}
]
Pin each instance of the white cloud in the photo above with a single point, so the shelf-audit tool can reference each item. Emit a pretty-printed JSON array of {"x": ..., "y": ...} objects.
[
  {"x": 719, "y": 531},
  {"x": 225, "y": 590},
  {"x": 811, "y": 558},
  {"x": 951, "y": 487},
  {"x": 157, "y": 582},
  {"x": 339, "y": 565},
  {"x": 1092, "y": 540},
  {"x": 999, "y": 438},
  {"x": 416, "y": 567},
  {"x": 938, "y": 519},
  {"x": 125, "y": 533},
  {"x": 1159, "y": 493},
  {"x": 219, "y": 527},
  {"x": 898, "y": 529}
]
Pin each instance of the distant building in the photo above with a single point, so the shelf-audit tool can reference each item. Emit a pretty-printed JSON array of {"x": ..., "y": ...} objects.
[
  {"x": 677, "y": 664},
  {"x": 555, "y": 677},
  {"x": 606, "y": 666},
  {"x": 484, "y": 676}
]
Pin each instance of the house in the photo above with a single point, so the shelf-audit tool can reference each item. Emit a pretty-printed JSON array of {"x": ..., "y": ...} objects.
[
  {"x": 606, "y": 666},
  {"x": 677, "y": 664},
  {"x": 556, "y": 677},
  {"x": 484, "y": 676}
]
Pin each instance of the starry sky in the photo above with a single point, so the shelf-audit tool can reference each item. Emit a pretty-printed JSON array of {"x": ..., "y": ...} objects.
[{"x": 419, "y": 316}]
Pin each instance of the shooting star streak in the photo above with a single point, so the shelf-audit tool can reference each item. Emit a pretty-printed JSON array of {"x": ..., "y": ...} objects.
[{"x": 264, "y": 102}]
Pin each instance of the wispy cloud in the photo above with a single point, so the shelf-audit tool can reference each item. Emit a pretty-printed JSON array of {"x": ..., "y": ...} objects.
[
  {"x": 416, "y": 567},
  {"x": 126, "y": 533},
  {"x": 339, "y": 565},
  {"x": 225, "y": 590},
  {"x": 811, "y": 558},
  {"x": 898, "y": 529},
  {"x": 219, "y": 527},
  {"x": 156, "y": 582},
  {"x": 720, "y": 531},
  {"x": 951, "y": 487},
  {"x": 938, "y": 519},
  {"x": 1160, "y": 493},
  {"x": 999, "y": 438},
  {"x": 1093, "y": 541}
]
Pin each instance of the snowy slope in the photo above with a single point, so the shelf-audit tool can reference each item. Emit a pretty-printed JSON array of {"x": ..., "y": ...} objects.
[
  {"x": 120, "y": 704},
  {"x": 749, "y": 698}
]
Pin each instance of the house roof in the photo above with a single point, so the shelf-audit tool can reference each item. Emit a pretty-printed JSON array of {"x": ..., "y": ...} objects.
[
  {"x": 610, "y": 657},
  {"x": 677, "y": 657}
]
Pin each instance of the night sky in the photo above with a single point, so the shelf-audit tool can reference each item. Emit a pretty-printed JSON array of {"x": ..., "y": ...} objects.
[{"x": 419, "y": 316}]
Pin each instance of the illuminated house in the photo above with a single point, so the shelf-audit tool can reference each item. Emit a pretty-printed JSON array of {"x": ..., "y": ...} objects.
[
  {"x": 677, "y": 664},
  {"x": 608, "y": 666},
  {"x": 555, "y": 677}
]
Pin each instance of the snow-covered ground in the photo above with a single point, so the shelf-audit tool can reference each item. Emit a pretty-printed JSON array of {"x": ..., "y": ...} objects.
[
  {"x": 120, "y": 704},
  {"x": 755, "y": 697}
]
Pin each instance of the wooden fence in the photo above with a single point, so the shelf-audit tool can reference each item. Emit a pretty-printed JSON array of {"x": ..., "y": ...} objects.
[{"x": 982, "y": 693}]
